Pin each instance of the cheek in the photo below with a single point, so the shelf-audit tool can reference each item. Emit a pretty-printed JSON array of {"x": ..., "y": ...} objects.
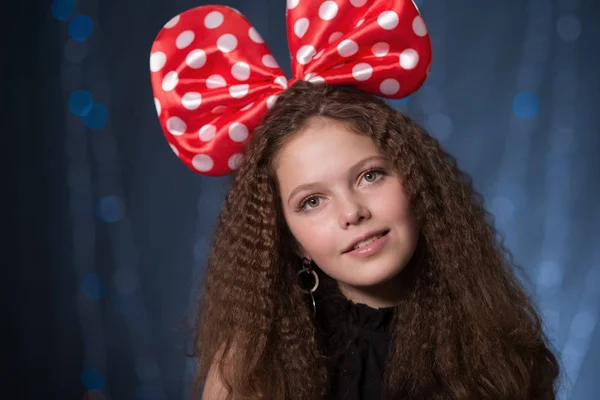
[
  {"x": 315, "y": 238},
  {"x": 393, "y": 206}
]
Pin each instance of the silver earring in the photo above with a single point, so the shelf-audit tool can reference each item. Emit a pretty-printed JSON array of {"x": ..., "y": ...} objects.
[{"x": 311, "y": 290}]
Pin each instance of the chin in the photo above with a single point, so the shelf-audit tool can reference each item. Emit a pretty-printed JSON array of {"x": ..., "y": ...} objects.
[{"x": 374, "y": 278}]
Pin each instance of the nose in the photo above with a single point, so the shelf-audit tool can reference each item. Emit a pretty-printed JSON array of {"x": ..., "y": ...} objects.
[{"x": 352, "y": 211}]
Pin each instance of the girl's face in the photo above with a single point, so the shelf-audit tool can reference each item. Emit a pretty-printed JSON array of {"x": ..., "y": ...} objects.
[{"x": 336, "y": 188}]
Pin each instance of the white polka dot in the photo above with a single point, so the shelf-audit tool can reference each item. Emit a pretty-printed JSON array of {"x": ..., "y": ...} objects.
[
  {"x": 419, "y": 27},
  {"x": 309, "y": 75},
  {"x": 202, "y": 162},
  {"x": 219, "y": 110},
  {"x": 362, "y": 71},
  {"x": 191, "y": 100},
  {"x": 359, "y": 23},
  {"x": 255, "y": 36},
  {"x": 238, "y": 132},
  {"x": 213, "y": 20},
  {"x": 269, "y": 61},
  {"x": 328, "y": 10},
  {"x": 409, "y": 59},
  {"x": 380, "y": 49},
  {"x": 238, "y": 91},
  {"x": 347, "y": 48},
  {"x": 172, "y": 22},
  {"x": 174, "y": 149},
  {"x": 291, "y": 4},
  {"x": 196, "y": 59},
  {"x": 305, "y": 54},
  {"x": 319, "y": 54},
  {"x": 316, "y": 79},
  {"x": 358, "y": 3},
  {"x": 389, "y": 86},
  {"x": 170, "y": 81},
  {"x": 388, "y": 20},
  {"x": 227, "y": 43},
  {"x": 176, "y": 126},
  {"x": 271, "y": 101},
  {"x": 282, "y": 81},
  {"x": 215, "y": 81},
  {"x": 240, "y": 71},
  {"x": 207, "y": 133},
  {"x": 235, "y": 161},
  {"x": 157, "y": 106},
  {"x": 335, "y": 36},
  {"x": 184, "y": 39},
  {"x": 247, "y": 107},
  {"x": 301, "y": 26},
  {"x": 157, "y": 61}
]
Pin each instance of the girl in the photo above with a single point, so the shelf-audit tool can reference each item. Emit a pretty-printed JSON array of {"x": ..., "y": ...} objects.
[{"x": 352, "y": 258}]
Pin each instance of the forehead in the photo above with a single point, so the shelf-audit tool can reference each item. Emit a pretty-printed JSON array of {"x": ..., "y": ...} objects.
[{"x": 323, "y": 150}]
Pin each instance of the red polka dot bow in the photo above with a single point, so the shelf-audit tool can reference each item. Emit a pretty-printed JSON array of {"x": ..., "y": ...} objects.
[{"x": 213, "y": 77}]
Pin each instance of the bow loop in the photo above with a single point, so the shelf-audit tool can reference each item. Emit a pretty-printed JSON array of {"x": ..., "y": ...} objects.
[
  {"x": 381, "y": 47},
  {"x": 213, "y": 79}
]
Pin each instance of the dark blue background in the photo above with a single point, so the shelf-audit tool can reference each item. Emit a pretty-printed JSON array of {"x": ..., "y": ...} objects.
[{"x": 107, "y": 232}]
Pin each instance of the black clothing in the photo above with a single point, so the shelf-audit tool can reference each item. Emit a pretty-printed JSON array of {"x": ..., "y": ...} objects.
[{"x": 355, "y": 337}]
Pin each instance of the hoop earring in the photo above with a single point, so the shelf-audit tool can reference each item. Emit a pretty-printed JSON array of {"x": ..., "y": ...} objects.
[{"x": 307, "y": 269}]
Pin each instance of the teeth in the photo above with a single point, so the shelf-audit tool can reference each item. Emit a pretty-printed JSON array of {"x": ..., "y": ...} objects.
[{"x": 366, "y": 242}]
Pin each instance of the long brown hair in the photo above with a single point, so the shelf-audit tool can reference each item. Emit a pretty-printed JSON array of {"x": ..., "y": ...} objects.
[{"x": 465, "y": 328}]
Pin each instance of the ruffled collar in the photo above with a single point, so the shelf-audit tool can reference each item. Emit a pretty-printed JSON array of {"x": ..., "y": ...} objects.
[
  {"x": 341, "y": 322},
  {"x": 362, "y": 316}
]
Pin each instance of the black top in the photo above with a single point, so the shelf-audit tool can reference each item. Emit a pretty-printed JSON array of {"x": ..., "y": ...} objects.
[{"x": 355, "y": 338}]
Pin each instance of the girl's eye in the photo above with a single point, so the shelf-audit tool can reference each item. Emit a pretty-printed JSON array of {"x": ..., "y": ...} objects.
[{"x": 313, "y": 202}]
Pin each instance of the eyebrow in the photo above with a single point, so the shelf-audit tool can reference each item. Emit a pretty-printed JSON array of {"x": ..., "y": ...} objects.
[{"x": 315, "y": 184}]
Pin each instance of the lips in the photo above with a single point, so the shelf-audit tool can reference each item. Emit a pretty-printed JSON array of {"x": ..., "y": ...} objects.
[{"x": 366, "y": 236}]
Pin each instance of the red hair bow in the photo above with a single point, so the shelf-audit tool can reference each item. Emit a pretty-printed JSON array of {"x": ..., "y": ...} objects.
[{"x": 213, "y": 77}]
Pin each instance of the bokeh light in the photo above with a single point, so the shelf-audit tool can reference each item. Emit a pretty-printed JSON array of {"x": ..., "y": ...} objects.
[
  {"x": 75, "y": 51},
  {"x": 568, "y": 27},
  {"x": 124, "y": 304},
  {"x": 525, "y": 105},
  {"x": 125, "y": 280},
  {"x": 97, "y": 117},
  {"x": 94, "y": 395},
  {"x": 148, "y": 392},
  {"x": 92, "y": 379},
  {"x": 62, "y": 9},
  {"x": 440, "y": 126},
  {"x": 81, "y": 27},
  {"x": 110, "y": 209},
  {"x": 146, "y": 369},
  {"x": 93, "y": 286},
  {"x": 81, "y": 103}
]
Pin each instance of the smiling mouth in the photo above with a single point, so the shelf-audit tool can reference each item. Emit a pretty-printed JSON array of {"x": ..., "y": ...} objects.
[{"x": 374, "y": 238}]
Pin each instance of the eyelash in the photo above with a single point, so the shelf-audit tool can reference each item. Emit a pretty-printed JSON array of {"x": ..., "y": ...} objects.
[{"x": 301, "y": 208}]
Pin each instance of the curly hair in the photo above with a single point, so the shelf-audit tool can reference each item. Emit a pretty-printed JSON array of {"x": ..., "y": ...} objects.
[{"x": 465, "y": 327}]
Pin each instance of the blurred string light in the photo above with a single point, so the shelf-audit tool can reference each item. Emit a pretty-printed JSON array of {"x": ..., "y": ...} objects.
[
  {"x": 110, "y": 209},
  {"x": 81, "y": 213},
  {"x": 430, "y": 99},
  {"x": 563, "y": 146},
  {"x": 510, "y": 196}
]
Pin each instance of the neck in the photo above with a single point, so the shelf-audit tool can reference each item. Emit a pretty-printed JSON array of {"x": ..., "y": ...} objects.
[{"x": 385, "y": 294}]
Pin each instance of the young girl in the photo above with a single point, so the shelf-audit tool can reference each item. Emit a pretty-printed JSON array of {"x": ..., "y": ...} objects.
[{"x": 352, "y": 258}]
